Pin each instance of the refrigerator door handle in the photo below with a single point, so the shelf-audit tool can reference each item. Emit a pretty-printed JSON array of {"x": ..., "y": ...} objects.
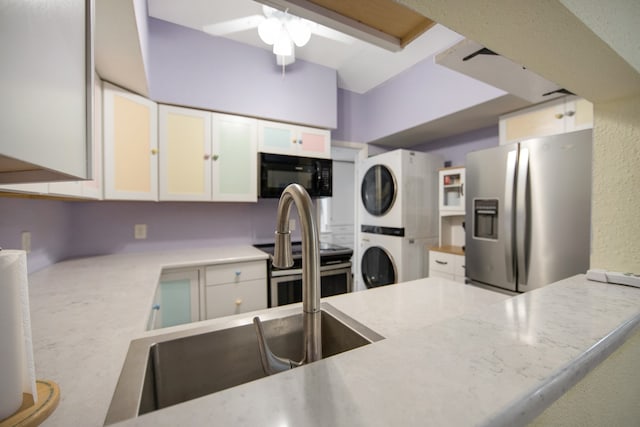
[
  {"x": 509, "y": 189},
  {"x": 521, "y": 215}
]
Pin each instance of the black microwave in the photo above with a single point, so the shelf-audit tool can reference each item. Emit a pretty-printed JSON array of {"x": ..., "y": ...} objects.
[{"x": 277, "y": 171}]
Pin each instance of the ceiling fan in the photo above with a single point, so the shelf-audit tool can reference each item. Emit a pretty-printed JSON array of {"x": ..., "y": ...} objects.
[{"x": 279, "y": 29}]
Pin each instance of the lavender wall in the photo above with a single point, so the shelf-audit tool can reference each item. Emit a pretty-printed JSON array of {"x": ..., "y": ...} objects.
[
  {"x": 455, "y": 148},
  {"x": 190, "y": 68},
  {"x": 48, "y": 222},
  {"x": 107, "y": 227},
  {"x": 352, "y": 119},
  {"x": 420, "y": 94}
]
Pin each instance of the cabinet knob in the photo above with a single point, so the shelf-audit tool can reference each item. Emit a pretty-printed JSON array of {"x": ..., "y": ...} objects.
[
  {"x": 559, "y": 116},
  {"x": 206, "y": 156},
  {"x": 215, "y": 157},
  {"x": 295, "y": 141},
  {"x": 238, "y": 301},
  {"x": 238, "y": 273},
  {"x": 154, "y": 151},
  {"x": 570, "y": 113}
]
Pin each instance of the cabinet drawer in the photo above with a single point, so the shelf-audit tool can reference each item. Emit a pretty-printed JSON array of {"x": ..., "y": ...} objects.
[
  {"x": 440, "y": 261},
  {"x": 234, "y": 298},
  {"x": 458, "y": 266},
  {"x": 235, "y": 272}
]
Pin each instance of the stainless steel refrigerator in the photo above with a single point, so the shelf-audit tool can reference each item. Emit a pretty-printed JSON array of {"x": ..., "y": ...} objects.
[{"x": 528, "y": 211}]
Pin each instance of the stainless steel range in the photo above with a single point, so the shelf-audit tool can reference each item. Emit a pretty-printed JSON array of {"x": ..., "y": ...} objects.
[{"x": 285, "y": 285}]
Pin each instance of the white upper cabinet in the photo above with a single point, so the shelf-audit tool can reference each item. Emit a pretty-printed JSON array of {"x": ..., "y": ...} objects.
[
  {"x": 293, "y": 140},
  {"x": 451, "y": 192},
  {"x": 91, "y": 189},
  {"x": 562, "y": 115},
  {"x": 130, "y": 145},
  {"x": 207, "y": 156},
  {"x": 46, "y": 86}
]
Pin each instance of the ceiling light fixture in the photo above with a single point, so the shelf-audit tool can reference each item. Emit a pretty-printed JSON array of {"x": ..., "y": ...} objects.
[{"x": 282, "y": 31}]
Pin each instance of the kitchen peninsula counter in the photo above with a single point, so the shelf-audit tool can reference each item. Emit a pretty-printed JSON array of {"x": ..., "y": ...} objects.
[{"x": 453, "y": 354}]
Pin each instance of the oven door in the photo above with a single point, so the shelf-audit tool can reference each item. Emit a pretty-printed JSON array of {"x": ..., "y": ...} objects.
[{"x": 286, "y": 285}]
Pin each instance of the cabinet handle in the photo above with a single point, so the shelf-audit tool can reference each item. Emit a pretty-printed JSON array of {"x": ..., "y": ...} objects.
[
  {"x": 206, "y": 156},
  {"x": 462, "y": 189},
  {"x": 559, "y": 116},
  {"x": 442, "y": 262},
  {"x": 238, "y": 301},
  {"x": 215, "y": 157},
  {"x": 570, "y": 113},
  {"x": 295, "y": 141},
  {"x": 154, "y": 151}
]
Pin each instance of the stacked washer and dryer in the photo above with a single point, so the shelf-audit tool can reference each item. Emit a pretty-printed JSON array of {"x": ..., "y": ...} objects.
[{"x": 398, "y": 214}]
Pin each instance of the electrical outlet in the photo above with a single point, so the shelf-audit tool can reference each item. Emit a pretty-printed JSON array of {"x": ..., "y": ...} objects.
[
  {"x": 26, "y": 241},
  {"x": 292, "y": 225},
  {"x": 140, "y": 231}
]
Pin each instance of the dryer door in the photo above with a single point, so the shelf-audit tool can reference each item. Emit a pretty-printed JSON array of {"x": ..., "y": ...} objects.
[
  {"x": 378, "y": 268},
  {"x": 378, "y": 190}
]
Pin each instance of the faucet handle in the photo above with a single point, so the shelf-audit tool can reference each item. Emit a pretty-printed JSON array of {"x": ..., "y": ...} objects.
[{"x": 271, "y": 364}]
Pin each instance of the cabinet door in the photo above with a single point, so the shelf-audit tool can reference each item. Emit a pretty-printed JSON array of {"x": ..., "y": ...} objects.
[
  {"x": 545, "y": 119},
  {"x": 459, "y": 268},
  {"x": 314, "y": 142},
  {"x": 185, "y": 152},
  {"x": 277, "y": 138},
  {"x": 93, "y": 189},
  {"x": 234, "y": 159},
  {"x": 451, "y": 192},
  {"x": 47, "y": 65},
  {"x": 578, "y": 114},
  {"x": 179, "y": 297},
  {"x": 234, "y": 298},
  {"x": 130, "y": 145}
]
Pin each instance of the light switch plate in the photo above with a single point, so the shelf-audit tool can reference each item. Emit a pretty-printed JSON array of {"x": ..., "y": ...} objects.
[{"x": 140, "y": 231}]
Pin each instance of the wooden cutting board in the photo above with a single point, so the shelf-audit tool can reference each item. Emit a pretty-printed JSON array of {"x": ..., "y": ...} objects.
[{"x": 33, "y": 414}]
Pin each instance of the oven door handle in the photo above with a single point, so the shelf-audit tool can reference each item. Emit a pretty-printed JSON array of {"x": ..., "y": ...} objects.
[{"x": 298, "y": 271}]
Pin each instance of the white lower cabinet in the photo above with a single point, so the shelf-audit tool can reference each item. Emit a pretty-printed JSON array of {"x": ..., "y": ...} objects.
[
  {"x": 447, "y": 266},
  {"x": 191, "y": 294},
  {"x": 177, "y": 299},
  {"x": 235, "y": 288}
]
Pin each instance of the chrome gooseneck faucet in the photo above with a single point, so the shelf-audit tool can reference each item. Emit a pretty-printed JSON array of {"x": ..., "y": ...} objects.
[{"x": 282, "y": 258}]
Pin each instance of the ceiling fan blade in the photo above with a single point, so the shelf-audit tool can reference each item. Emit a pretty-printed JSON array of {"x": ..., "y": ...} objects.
[
  {"x": 328, "y": 33},
  {"x": 233, "y": 25}
]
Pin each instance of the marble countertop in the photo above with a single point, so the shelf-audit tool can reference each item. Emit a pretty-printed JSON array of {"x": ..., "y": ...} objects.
[{"x": 448, "y": 348}]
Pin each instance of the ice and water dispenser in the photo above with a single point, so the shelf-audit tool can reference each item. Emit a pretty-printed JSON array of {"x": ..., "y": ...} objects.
[{"x": 485, "y": 219}]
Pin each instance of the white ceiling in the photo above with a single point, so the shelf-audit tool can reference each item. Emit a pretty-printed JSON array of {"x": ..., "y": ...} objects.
[{"x": 360, "y": 65}]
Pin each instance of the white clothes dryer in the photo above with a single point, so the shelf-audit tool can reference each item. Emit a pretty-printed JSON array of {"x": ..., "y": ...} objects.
[
  {"x": 399, "y": 194},
  {"x": 385, "y": 260}
]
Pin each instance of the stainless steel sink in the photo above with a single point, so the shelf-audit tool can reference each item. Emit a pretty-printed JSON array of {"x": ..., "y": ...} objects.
[{"x": 164, "y": 370}]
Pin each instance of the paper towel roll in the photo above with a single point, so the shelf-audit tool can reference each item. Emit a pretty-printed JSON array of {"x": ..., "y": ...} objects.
[{"x": 17, "y": 370}]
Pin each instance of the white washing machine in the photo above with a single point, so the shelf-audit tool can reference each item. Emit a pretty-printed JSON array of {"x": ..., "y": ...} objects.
[
  {"x": 399, "y": 194},
  {"x": 385, "y": 259}
]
